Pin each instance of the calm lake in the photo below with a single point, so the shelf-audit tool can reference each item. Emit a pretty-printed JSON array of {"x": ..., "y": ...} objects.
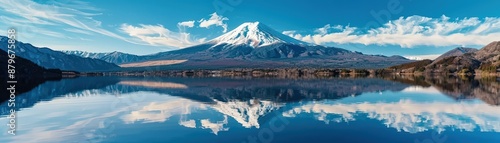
[{"x": 258, "y": 110}]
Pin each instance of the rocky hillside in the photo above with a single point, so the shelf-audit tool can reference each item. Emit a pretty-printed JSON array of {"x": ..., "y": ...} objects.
[
  {"x": 460, "y": 61},
  {"x": 490, "y": 54},
  {"x": 456, "y": 52},
  {"x": 112, "y": 57}
]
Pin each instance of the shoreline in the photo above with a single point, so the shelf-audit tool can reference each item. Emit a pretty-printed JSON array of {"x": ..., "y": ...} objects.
[{"x": 278, "y": 72}]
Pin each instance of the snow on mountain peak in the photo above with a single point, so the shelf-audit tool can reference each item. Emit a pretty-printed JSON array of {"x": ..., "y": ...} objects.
[{"x": 255, "y": 34}]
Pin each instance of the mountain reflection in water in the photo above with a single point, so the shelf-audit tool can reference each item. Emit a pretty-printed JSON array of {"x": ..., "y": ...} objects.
[{"x": 411, "y": 105}]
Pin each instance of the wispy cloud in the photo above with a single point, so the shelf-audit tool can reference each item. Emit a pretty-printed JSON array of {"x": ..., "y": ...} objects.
[
  {"x": 30, "y": 30},
  {"x": 411, "y": 31},
  {"x": 74, "y": 15},
  {"x": 186, "y": 24},
  {"x": 216, "y": 20},
  {"x": 74, "y": 30},
  {"x": 158, "y": 35}
]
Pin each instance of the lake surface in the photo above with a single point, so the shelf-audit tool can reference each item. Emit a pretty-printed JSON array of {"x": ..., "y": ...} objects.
[{"x": 258, "y": 110}]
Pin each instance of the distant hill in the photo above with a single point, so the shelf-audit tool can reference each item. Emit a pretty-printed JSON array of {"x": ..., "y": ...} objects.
[
  {"x": 459, "y": 60},
  {"x": 456, "y": 52},
  {"x": 417, "y": 66}
]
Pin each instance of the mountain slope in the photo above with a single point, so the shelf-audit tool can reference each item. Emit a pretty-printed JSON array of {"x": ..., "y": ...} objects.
[
  {"x": 489, "y": 53},
  {"x": 456, "y": 52},
  {"x": 255, "y": 45},
  {"x": 28, "y": 75},
  {"x": 25, "y": 67},
  {"x": 51, "y": 59},
  {"x": 455, "y": 64},
  {"x": 460, "y": 60},
  {"x": 112, "y": 57},
  {"x": 254, "y": 34}
]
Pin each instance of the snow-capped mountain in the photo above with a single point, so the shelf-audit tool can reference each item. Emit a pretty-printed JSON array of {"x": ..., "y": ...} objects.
[
  {"x": 250, "y": 45},
  {"x": 112, "y": 57},
  {"x": 255, "y": 45},
  {"x": 51, "y": 59},
  {"x": 85, "y": 54},
  {"x": 254, "y": 34}
]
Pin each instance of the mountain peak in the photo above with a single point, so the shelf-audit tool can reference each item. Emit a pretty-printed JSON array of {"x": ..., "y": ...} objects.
[
  {"x": 490, "y": 52},
  {"x": 456, "y": 52},
  {"x": 255, "y": 34}
]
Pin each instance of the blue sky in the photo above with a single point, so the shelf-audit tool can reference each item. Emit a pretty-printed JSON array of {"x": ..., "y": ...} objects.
[{"x": 416, "y": 28}]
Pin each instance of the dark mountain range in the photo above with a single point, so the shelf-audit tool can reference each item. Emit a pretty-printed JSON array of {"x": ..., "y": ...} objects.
[
  {"x": 51, "y": 59},
  {"x": 27, "y": 75},
  {"x": 112, "y": 57}
]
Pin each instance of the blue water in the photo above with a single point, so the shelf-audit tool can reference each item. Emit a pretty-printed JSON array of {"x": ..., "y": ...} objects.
[{"x": 223, "y": 110}]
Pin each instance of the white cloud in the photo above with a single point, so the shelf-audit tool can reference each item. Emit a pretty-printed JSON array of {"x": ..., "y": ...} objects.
[
  {"x": 161, "y": 111},
  {"x": 216, "y": 20},
  {"x": 186, "y": 24},
  {"x": 323, "y": 30},
  {"x": 421, "y": 57},
  {"x": 289, "y": 32},
  {"x": 53, "y": 15},
  {"x": 412, "y": 31},
  {"x": 158, "y": 35}
]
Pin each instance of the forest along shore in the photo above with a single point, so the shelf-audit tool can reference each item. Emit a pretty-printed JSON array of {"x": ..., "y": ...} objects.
[{"x": 280, "y": 73}]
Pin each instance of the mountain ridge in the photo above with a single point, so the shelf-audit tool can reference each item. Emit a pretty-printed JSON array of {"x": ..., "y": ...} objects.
[
  {"x": 256, "y": 44},
  {"x": 51, "y": 59},
  {"x": 456, "y": 52},
  {"x": 459, "y": 61},
  {"x": 111, "y": 57}
]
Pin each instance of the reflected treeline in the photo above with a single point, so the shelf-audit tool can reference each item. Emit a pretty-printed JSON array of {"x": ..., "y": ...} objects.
[
  {"x": 208, "y": 90},
  {"x": 486, "y": 89},
  {"x": 24, "y": 85},
  {"x": 49, "y": 90},
  {"x": 216, "y": 89},
  {"x": 283, "y": 90}
]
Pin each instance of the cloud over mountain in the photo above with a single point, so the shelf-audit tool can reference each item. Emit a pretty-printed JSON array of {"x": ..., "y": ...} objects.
[
  {"x": 157, "y": 35},
  {"x": 216, "y": 20},
  {"x": 410, "y": 32}
]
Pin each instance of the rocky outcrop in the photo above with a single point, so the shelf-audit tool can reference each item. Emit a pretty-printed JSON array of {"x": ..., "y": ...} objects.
[
  {"x": 460, "y": 60},
  {"x": 456, "y": 52}
]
